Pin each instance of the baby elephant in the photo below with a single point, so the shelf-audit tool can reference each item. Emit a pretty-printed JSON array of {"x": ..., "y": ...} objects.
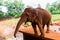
[{"x": 37, "y": 16}]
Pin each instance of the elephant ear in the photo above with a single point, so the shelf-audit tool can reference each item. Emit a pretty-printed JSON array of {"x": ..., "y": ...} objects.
[{"x": 27, "y": 11}]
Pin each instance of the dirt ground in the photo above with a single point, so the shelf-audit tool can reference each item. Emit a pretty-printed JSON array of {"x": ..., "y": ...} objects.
[
  {"x": 7, "y": 31},
  {"x": 53, "y": 34}
]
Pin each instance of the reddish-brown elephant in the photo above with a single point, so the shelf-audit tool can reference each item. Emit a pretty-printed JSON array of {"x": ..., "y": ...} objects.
[{"x": 37, "y": 16}]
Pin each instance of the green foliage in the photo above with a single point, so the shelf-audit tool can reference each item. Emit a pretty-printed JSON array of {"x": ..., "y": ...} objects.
[
  {"x": 54, "y": 8},
  {"x": 14, "y": 9},
  {"x": 1, "y": 14},
  {"x": 0, "y": 2},
  {"x": 56, "y": 12}
]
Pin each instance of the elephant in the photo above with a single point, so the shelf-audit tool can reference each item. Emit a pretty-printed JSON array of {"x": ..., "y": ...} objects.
[
  {"x": 46, "y": 18},
  {"x": 37, "y": 16}
]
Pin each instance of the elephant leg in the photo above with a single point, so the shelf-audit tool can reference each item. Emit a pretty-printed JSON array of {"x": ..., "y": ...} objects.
[
  {"x": 47, "y": 28},
  {"x": 34, "y": 27},
  {"x": 26, "y": 22},
  {"x": 41, "y": 30},
  {"x": 43, "y": 26}
]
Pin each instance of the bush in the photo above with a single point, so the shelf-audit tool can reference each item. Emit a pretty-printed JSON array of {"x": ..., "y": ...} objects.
[
  {"x": 1, "y": 14},
  {"x": 56, "y": 12},
  {"x": 54, "y": 8},
  {"x": 14, "y": 9}
]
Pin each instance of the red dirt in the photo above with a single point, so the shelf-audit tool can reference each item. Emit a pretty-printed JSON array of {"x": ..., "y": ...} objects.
[{"x": 52, "y": 34}]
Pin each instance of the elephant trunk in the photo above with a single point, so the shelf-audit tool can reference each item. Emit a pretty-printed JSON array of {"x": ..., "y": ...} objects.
[{"x": 23, "y": 19}]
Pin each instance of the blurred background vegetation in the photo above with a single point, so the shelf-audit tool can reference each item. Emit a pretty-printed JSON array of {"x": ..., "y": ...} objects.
[
  {"x": 10, "y": 9},
  {"x": 54, "y": 8},
  {"x": 13, "y": 9}
]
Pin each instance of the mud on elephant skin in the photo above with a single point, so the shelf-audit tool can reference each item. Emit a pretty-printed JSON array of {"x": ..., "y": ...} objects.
[{"x": 37, "y": 16}]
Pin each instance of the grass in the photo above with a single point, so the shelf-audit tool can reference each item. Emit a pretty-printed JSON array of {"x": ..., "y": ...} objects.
[
  {"x": 56, "y": 18},
  {"x": 9, "y": 22}
]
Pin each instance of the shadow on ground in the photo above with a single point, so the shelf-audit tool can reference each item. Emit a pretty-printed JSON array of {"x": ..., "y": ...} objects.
[{"x": 28, "y": 36}]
